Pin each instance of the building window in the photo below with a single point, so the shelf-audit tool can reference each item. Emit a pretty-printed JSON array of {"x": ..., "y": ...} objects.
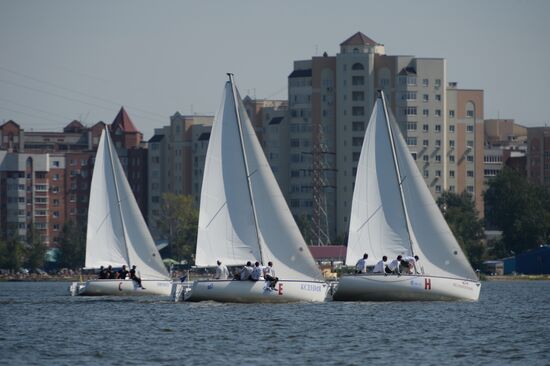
[
  {"x": 438, "y": 173},
  {"x": 451, "y": 173},
  {"x": 470, "y": 189},
  {"x": 470, "y": 158},
  {"x": 55, "y": 163},
  {"x": 438, "y": 112},
  {"x": 438, "y": 143},
  {"x": 425, "y": 142},
  {"x": 470, "y": 144},
  {"x": 426, "y": 174},
  {"x": 451, "y": 128},
  {"x": 438, "y": 97},
  {"x": 357, "y": 66},
  {"x": 470, "y": 114},
  {"x": 358, "y": 111},
  {"x": 425, "y": 112},
  {"x": 355, "y": 156},
  {"x": 409, "y": 111},
  {"x": 470, "y": 128},
  {"x": 451, "y": 158},
  {"x": 411, "y": 126},
  {"x": 358, "y": 126},
  {"x": 413, "y": 154},
  {"x": 451, "y": 113},
  {"x": 437, "y": 128},
  {"x": 437, "y": 83},
  {"x": 451, "y": 188},
  {"x": 55, "y": 214},
  {"x": 357, "y": 80},
  {"x": 357, "y": 141},
  {"x": 425, "y": 158},
  {"x": 411, "y": 141},
  {"x": 438, "y": 189},
  {"x": 470, "y": 173},
  {"x": 425, "y": 97},
  {"x": 409, "y": 95},
  {"x": 425, "y": 128},
  {"x": 425, "y": 82},
  {"x": 411, "y": 80},
  {"x": 294, "y": 142},
  {"x": 358, "y": 96},
  {"x": 438, "y": 158}
]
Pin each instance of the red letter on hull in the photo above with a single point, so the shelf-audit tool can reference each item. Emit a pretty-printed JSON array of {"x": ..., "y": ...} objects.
[
  {"x": 280, "y": 289},
  {"x": 427, "y": 284}
]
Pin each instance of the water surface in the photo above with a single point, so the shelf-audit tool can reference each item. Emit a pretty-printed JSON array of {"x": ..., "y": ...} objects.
[{"x": 40, "y": 324}]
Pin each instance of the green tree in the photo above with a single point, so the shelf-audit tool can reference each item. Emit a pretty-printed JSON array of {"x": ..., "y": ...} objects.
[
  {"x": 460, "y": 213},
  {"x": 35, "y": 250},
  {"x": 72, "y": 246},
  {"x": 179, "y": 224},
  {"x": 11, "y": 253},
  {"x": 520, "y": 209}
]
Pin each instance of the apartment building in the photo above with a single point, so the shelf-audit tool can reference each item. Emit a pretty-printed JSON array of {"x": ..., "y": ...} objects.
[
  {"x": 538, "y": 156},
  {"x": 45, "y": 177},
  {"x": 176, "y": 158},
  {"x": 330, "y": 102}
]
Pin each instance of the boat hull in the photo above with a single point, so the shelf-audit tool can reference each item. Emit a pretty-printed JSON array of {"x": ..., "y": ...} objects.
[
  {"x": 256, "y": 291},
  {"x": 374, "y": 287},
  {"x": 121, "y": 288}
]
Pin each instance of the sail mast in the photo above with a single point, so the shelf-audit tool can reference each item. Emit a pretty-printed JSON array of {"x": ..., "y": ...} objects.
[
  {"x": 234, "y": 91},
  {"x": 397, "y": 171},
  {"x": 108, "y": 142}
]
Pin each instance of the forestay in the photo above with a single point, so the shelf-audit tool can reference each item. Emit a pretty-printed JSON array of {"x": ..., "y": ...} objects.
[{"x": 117, "y": 233}]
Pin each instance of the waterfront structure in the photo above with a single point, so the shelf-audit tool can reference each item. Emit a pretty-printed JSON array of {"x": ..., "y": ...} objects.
[
  {"x": 45, "y": 176},
  {"x": 329, "y": 100}
]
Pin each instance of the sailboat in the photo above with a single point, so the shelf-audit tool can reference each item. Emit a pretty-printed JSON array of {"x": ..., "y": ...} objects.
[
  {"x": 244, "y": 217},
  {"x": 117, "y": 234},
  {"x": 393, "y": 213}
]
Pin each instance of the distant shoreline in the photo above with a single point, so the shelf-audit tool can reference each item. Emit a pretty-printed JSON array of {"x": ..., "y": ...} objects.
[{"x": 517, "y": 278}]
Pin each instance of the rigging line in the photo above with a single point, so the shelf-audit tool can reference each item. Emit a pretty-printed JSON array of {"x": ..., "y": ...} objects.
[
  {"x": 61, "y": 96},
  {"x": 29, "y": 114},
  {"x": 370, "y": 217},
  {"x": 216, "y": 214},
  {"x": 36, "y": 109},
  {"x": 77, "y": 92}
]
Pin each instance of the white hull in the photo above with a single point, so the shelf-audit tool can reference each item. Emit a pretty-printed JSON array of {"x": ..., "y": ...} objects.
[
  {"x": 256, "y": 292},
  {"x": 375, "y": 287},
  {"x": 121, "y": 288}
]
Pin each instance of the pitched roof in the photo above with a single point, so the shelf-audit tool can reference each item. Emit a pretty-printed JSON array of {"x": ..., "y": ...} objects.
[
  {"x": 123, "y": 121},
  {"x": 276, "y": 120},
  {"x": 408, "y": 71},
  {"x": 74, "y": 126},
  {"x": 358, "y": 39},
  {"x": 156, "y": 138}
]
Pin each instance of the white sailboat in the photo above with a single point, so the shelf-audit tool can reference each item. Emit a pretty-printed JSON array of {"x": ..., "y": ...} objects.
[
  {"x": 244, "y": 217},
  {"x": 394, "y": 213},
  {"x": 117, "y": 233}
]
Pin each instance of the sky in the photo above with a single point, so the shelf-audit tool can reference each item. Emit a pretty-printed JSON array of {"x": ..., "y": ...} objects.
[{"x": 62, "y": 60}]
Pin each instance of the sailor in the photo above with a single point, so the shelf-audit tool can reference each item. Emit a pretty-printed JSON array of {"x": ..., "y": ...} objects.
[
  {"x": 394, "y": 265},
  {"x": 134, "y": 277},
  {"x": 246, "y": 271},
  {"x": 361, "y": 266},
  {"x": 110, "y": 273},
  {"x": 221, "y": 271},
  {"x": 102, "y": 273},
  {"x": 410, "y": 264},
  {"x": 380, "y": 266},
  {"x": 257, "y": 272},
  {"x": 269, "y": 275},
  {"x": 122, "y": 273}
]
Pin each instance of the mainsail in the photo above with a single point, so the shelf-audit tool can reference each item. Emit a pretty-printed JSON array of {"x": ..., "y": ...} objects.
[
  {"x": 243, "y": 214},
  {"x": 384, "y": 222},
  {"x": 117, "y": 233}
]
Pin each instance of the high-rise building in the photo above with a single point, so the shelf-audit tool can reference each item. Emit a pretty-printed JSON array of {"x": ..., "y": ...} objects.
[
  {"x": 176, "y": 160},
  {"x": 330, "y": 100},
  {"x": 538, "y": 155}
]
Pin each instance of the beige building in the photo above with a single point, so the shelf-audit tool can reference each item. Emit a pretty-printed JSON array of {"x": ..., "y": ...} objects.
[
  {"x": 176, "y": 161},
  {"x": 330, "y": 102}
]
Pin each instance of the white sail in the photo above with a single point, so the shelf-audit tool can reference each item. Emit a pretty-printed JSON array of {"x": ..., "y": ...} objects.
[
  {"x": 378, "y": 224},
  {"x": 226, "y": 220},
  {"x": 116, "y": 228},
  {"x": 246, "y": 219},
  {"x": 104, "y": 240}
]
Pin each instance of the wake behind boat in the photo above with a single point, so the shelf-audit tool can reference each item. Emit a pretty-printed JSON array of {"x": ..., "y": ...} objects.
[
  {"x": 117, "y": 234},
  {"x": 244, "y": 217},
  {"x": 393, "y": 213}
]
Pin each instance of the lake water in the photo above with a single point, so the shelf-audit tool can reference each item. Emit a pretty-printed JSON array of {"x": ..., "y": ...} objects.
[{"x": 40, "y": 324}]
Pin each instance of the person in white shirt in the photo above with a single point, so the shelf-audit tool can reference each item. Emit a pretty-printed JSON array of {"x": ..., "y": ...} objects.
[
  {"x": 269, "y": 275},
  {"x": 257, "y": 272},
  {"x": 361, "y": 266},
  {"x": 221, "y": 271},
  {"x": 410, "y": 264},
  {"x": 394, "y": 265},
  {"x": 246, "y": 271},
  {"x": 380, "y": 267}
]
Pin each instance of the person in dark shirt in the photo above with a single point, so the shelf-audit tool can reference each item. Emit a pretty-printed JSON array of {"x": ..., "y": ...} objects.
[
  {"x": 134, "y": 277},
  {"x": 122, "y": 273},
  {"x": 102, "y": 273},
  {"x": 110, "y": 273}
]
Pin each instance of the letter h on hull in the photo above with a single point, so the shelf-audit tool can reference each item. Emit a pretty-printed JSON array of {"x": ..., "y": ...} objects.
[{"x": 427, "y": 283}]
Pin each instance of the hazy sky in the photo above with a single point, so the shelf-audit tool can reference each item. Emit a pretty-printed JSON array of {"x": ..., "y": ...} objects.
[{"x": 68, "y": 59}]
